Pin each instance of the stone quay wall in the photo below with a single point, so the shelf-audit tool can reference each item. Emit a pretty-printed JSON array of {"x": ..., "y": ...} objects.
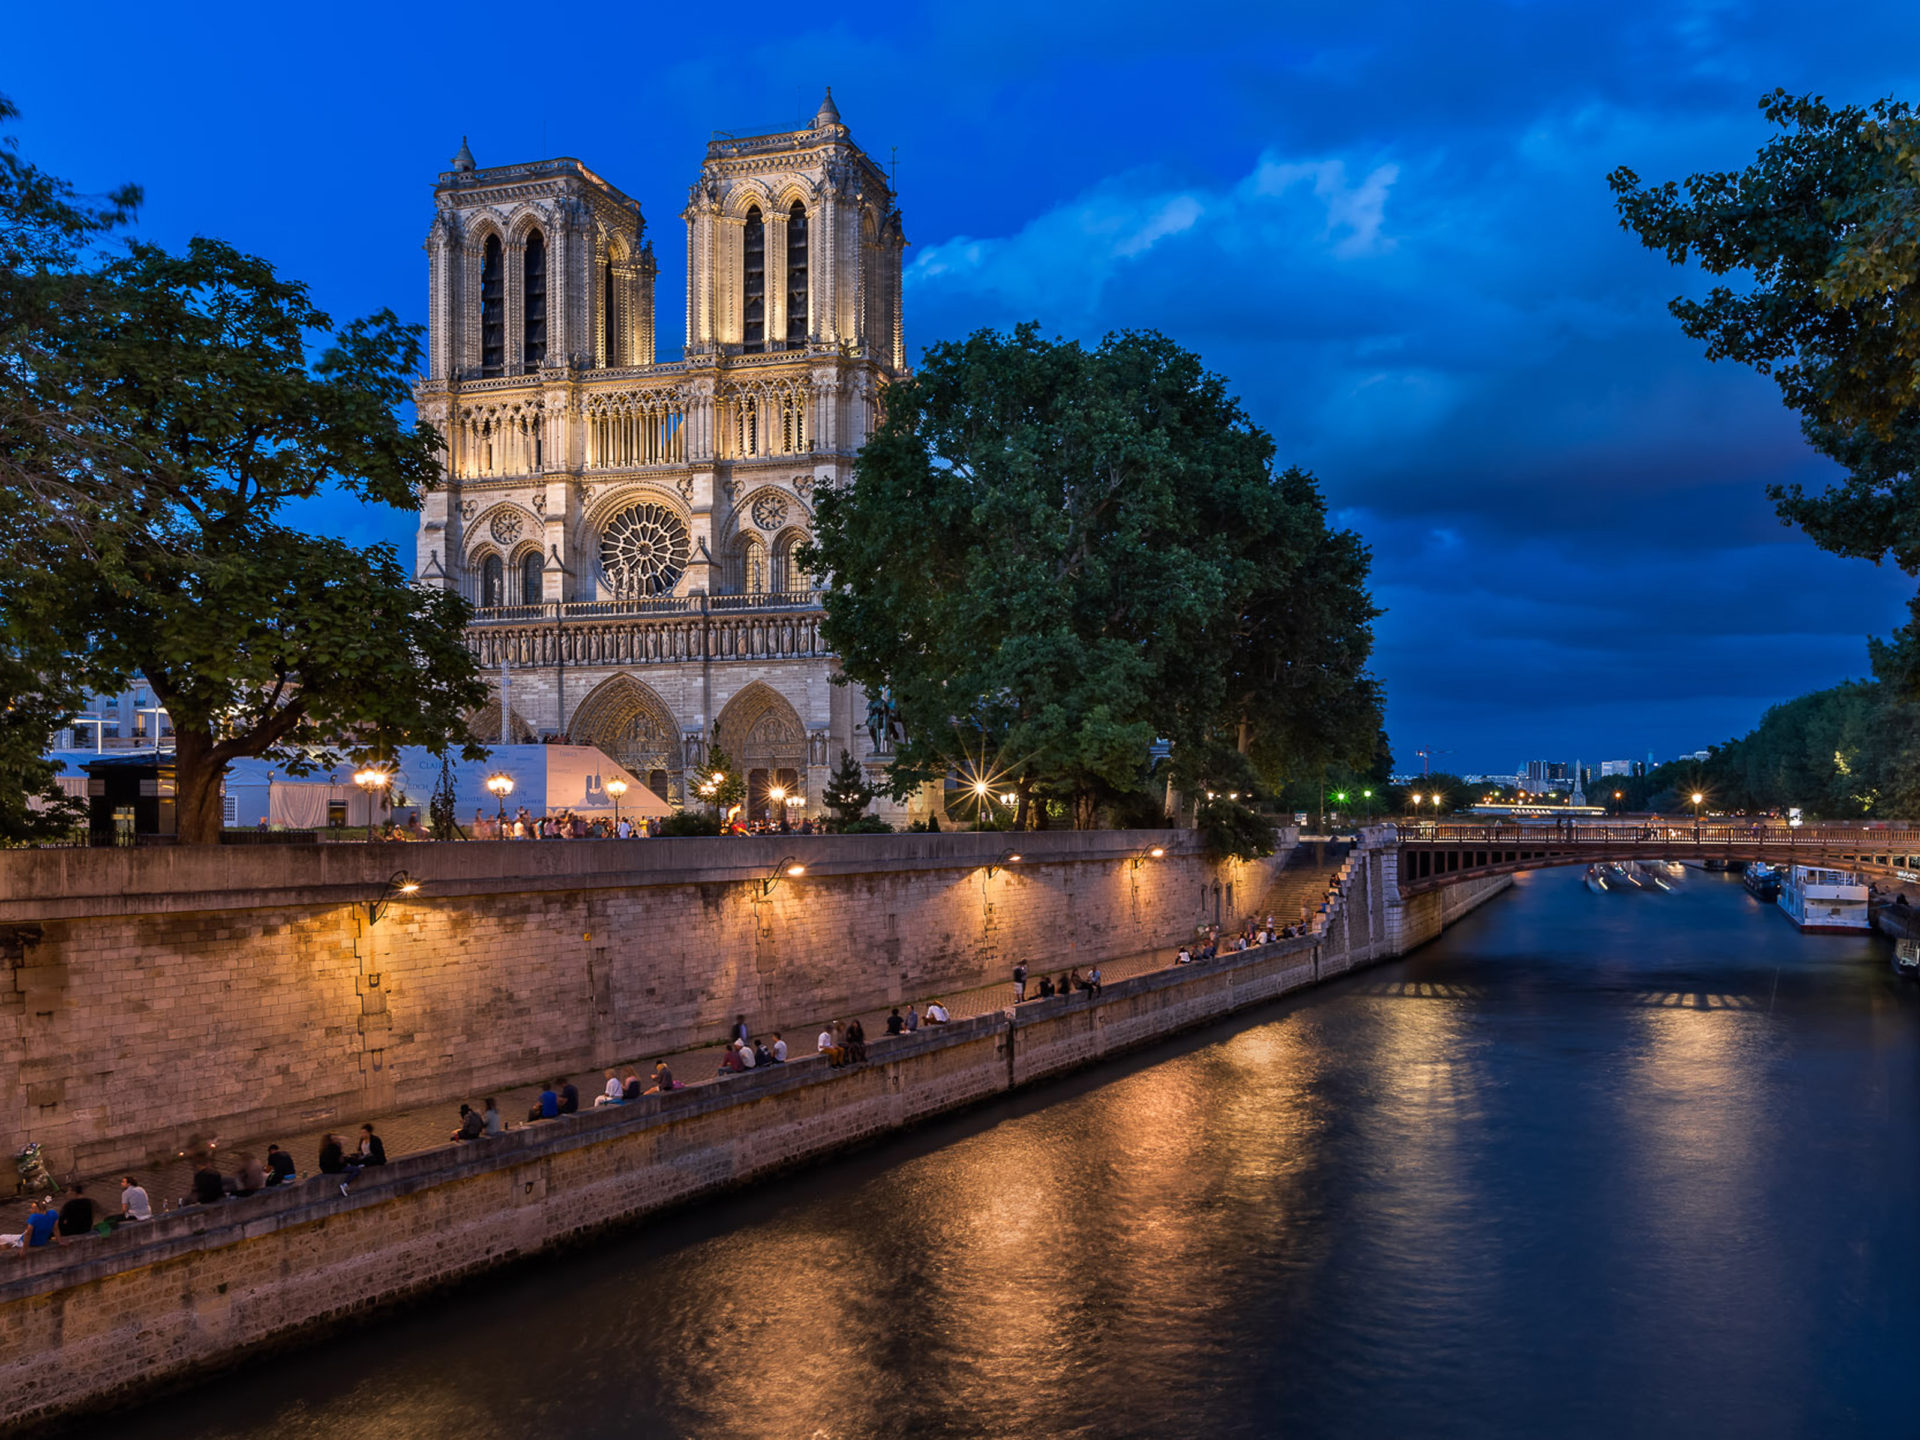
[
  {"x": 149, "y": 996},
  {"x": 191, "y": 1291},
  {"x": 200, "y": 1289}
]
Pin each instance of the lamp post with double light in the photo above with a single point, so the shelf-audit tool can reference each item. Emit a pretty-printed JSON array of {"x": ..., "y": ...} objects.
[{"x": 374, "y": 781}]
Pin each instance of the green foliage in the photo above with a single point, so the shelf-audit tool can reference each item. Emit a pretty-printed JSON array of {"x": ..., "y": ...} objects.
[
  {"x": 1824, "y": 231},
  {"x": 864, "y": 825},
  {"x": 162, "y": 411},
  {"x": 1052, "y": 556},
  {"x": 443, "y": 820},
  {"x": 719, "y": 782},
  {"x": 847, "y": 794},
  {"x": 690, "y": 822},
  {"x": 1229, "y": 828}
]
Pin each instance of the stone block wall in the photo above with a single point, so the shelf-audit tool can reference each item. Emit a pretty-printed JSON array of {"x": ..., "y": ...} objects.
[
  {"x": 148, "y": 996},
  {"x": 104, "y": 1319}
]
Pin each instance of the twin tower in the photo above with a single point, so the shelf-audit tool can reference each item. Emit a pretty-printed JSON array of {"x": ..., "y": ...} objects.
[{"x": 626, "y": 527}]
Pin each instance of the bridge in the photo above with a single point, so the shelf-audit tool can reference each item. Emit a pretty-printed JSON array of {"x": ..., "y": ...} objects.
[{"x": 1433, "y": 854}]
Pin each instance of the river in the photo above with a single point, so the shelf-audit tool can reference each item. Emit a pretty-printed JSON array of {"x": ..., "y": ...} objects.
[{"x": 1585, "y": 1166}]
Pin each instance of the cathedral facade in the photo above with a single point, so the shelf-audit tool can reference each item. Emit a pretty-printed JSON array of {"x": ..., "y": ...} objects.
[{"x": 625, "y": 528}]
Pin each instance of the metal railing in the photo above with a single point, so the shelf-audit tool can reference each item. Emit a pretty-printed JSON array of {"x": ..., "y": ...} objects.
[{"x": 662, "y": 605}]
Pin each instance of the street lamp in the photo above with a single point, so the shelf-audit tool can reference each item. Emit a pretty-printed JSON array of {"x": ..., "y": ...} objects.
[
  {"x": 1152, "y": 852},
  {"x": 1011, "y": 857},
  {"x": 1696, "y": 797},
  {"x": 616, "y": 787},
  {"x": 501, "y": 784},
  {"x": 374, "y": 781},
  {"x": 788, "y": 869},
  {"x": 400, "y": 884}
]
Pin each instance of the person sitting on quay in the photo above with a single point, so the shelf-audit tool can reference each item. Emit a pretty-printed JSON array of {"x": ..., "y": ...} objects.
[
  {"x": 491, "y": 1125},
  {"x": 333, "y": 1156},
  {"x": 1185, "y": 957},
  {"x": 1044, "y": 991},
  {"x": 895, "y": 1025},
  {"x": 629, "y": 1087},
  {"x": 251, "y": 1178},
  {"x": 937, "y": 1013},
  {"x": 547, "y": 1107},
  {"x": 856, "y": 1041},
  {"x": 569, "y": 1098},
  {"x": 280, "y": 1169},
  {"x": 762, "y": 1055},
  {"x": 134, "y": 1204},
  {"x": 471, "y": 1125},
  {"x": 614, "y": 1092},
  {"x": 778, "y": 1049},
  {"x": 745, "y": 1051},
  {"x": 730, "y": 1059},
  {"x": 1093, "y": 981},
  {"x": 372, "y": 1151},
  {"x": 912, "y": 1020},
  {"x": 78, "y": 1216},
  {"x": 1076, "y": 979},
  {"x": 662, "y": 1079},
  {"x": 208, "y": 1186},
  {"x": 828, "y": 1045},
  {"x": 43, "y": 1223}
]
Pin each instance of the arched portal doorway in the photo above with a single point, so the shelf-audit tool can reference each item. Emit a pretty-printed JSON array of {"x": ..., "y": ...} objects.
[
  {"x": 632, "y": 726},
  {"x": 763, "y": 735}
]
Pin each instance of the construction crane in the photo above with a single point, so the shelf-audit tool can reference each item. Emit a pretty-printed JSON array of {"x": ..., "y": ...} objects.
[{"x": 1426, "y": 754}]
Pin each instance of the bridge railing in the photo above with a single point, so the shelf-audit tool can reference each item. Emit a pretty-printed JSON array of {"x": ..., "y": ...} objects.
[{"x": 1666, "y": 834}]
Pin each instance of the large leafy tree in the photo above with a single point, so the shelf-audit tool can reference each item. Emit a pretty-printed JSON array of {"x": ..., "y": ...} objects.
[
  {"x": 47, "y": 233},
  {"x": 1052, "y": 555},
  {"x": 1823, "y": 233},
  {"x": 172, "y": 410}
]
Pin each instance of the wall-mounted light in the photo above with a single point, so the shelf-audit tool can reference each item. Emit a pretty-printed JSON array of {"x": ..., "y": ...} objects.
[
  {"x": 1152, "y": 852},
  {"x": 788, "y": 869},
  {"x": 1010, "y": 858},
  {"x": 398, "y": 885}
]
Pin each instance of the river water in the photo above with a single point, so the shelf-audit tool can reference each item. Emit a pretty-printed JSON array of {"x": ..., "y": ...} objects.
[{"x": 1586, "y": 1166}]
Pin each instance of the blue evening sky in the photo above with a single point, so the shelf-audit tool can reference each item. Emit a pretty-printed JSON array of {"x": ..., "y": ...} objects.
[{"x": 1386, "y": 224}]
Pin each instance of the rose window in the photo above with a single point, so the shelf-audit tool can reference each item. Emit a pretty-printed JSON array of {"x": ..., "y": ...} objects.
[
  {"x": 769, "y": 511},
  {"x": 643, "y": 551}
]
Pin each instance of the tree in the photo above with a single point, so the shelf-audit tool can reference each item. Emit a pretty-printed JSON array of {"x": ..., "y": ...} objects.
[
  {"x": 720, "y": 783},
  {"x": 207, "y": 417},
  {"x": 1052, "y": 556},
  {"x": 46, "y": 293},
  {"x": 847, "y": 793},
  {"x": 1824, "y": 227}
]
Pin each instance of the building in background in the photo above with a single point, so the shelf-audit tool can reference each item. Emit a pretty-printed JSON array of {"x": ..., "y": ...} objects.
[
  {"x": 625, "y": 527},
  {"x": 128, "y": 719}
]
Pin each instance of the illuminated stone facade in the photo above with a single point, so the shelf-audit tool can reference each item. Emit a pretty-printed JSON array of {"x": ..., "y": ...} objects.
[{"x": 626, "y": 528}]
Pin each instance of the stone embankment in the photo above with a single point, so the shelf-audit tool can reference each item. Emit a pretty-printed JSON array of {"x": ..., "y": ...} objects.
[{"x": 106, "y": 1318}]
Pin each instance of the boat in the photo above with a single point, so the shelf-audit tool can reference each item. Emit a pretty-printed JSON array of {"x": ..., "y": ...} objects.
[
  {"x": 1676, "y": 869},
  {"x": 1906, "y": 959},
  {"x": 1825, "y": 902},
  {"x": 1621, "y": 878},
  {"x": 1596, "y": 882},
  {"x": 1762, "y": 882},
  {"x": 1652, "y": 875}
]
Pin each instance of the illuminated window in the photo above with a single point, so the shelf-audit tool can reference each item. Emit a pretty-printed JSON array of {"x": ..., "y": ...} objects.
[
  {"x": 492, "y": 582},
  {"x": 530, "y": 586},
  {"x": 533, "y": 272},
  {"x": 493, "y": 311},
  {"x": 797, "y": 275},
  {"x": 754, "y": 249}
]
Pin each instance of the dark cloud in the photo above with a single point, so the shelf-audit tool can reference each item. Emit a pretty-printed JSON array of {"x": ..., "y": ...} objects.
[{"x": 1386, "y": 223}]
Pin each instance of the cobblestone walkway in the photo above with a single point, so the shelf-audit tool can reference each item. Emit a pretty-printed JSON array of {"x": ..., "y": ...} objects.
[{"x": 406, "y": 1131}]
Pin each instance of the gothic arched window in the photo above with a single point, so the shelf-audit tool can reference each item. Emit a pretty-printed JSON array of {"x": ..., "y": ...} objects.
[
  {"x": 610, "y": 313},
  {"x": 533, "y": 273},
  {"x": 493, "y": 311},
  {"x": 797, "y": 275},
  {"x": 530, "y": 585},
  {"x": 753, "y": 247},
  {"x": 753, "y": 566},
  {"x": 493, "y": 582}
]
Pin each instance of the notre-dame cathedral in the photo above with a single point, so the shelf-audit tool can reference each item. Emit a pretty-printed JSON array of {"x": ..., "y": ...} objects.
[{"x": 624, "y": 527}]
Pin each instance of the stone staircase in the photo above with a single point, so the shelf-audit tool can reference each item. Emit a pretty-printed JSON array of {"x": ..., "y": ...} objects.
[{"x": 1301, "y": 884}]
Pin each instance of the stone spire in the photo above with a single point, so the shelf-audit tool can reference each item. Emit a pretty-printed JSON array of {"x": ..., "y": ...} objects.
[
  {"x": 828, "y": 114},
  {"x": 463, "y": 162}
]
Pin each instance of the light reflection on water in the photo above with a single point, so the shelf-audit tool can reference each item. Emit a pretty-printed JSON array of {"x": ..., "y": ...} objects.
[{"x": 1588, "y": 1165}]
